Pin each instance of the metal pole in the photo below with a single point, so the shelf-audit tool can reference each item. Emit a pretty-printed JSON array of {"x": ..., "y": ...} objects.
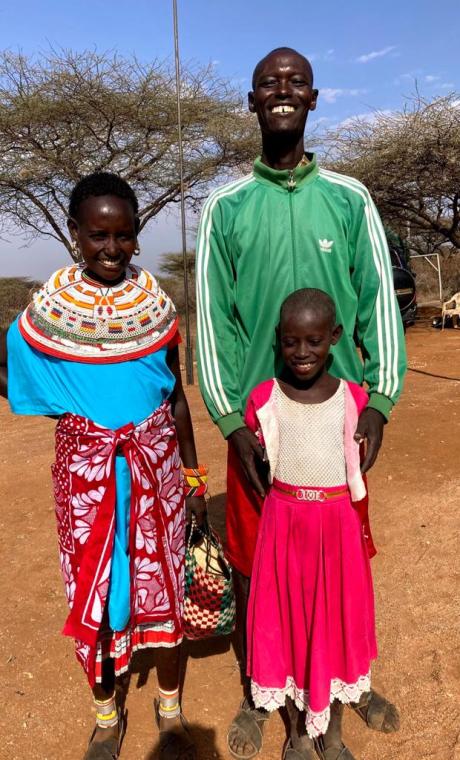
[
  {"x": 439, "y": 278},
  {"x": 188, "y": 340}
]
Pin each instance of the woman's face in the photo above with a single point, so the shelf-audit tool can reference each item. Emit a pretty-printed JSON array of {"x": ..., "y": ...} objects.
[{"x": 106, "y": 232}]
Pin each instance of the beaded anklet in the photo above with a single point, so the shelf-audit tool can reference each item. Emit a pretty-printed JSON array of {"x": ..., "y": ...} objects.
[
  {"x": 169, "y": 705},
  {"x": 106, "y": 712}
]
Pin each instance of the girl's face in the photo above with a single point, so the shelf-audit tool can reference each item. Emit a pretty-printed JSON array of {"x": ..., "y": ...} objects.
[
  {"x": 106, "y": 233},
  {"x": 305, "y": 339}
]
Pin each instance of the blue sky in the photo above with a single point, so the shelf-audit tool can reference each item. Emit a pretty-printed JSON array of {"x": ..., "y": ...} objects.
[{"x": 366, "y": 56}]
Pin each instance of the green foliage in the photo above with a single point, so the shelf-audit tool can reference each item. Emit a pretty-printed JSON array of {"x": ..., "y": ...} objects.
[
  {"x": 409, "y": 160},
  {"x": 66, "y": 114},
  {"x": 171, "y": 276}
]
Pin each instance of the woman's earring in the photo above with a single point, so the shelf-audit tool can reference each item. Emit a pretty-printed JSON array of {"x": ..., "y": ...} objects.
[
  {"x": 75, "y": 248},
  {"x": 137, "y": 250}
]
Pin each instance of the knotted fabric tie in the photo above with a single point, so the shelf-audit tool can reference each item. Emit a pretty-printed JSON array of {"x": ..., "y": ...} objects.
[{"x": 85, "y": 493}]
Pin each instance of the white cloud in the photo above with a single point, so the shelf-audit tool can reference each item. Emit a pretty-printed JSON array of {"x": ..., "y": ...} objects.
[
  {"x": 431, "y": 78},
  {"x": 330, "y": 94},
  {"x": 322, "y": 120},
  {"x": 368, "y": 117},
  {"x": 375, "y": 54},
  {"x": 447, "y": 86},
  {"x": 328, "y": 55}
]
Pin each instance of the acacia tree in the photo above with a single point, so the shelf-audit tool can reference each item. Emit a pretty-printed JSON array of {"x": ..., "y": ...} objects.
[
  {"x": 410, "y": 161},
  {"x": 66, "y": 114}
]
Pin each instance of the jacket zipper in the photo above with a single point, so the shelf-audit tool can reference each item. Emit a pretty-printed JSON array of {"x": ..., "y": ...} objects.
[{"x": 291, "y": 185}]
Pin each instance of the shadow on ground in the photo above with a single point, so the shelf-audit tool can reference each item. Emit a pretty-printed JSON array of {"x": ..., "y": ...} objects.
[
  {"x": 205, "y": 742},
  {"x": 143, "y": 662}
]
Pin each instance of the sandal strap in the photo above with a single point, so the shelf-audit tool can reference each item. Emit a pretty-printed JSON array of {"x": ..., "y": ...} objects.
[
  {"x": 290, "y": 753},
  {"x": 246, "y": 723},
  {"x": 374, "y": 711},
  {"x": 108, "y": 749},
  {"x": 328, "y": 754},
  {"x": 173, "y": 740}
]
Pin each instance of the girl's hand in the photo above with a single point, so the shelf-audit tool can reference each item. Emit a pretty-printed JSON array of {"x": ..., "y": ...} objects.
[{"x": 197, "y": 505}]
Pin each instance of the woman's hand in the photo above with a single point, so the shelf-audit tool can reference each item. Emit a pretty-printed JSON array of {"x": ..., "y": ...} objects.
[{"x": 197, "y": 506}]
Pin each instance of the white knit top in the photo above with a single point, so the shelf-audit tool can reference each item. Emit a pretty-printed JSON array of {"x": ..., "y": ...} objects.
[{"x": 311, "y": 440}]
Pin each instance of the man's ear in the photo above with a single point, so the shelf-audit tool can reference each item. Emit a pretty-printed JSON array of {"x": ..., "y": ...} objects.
[
  {"x": 336, "y": 334},
  {"x": 251, "y": 104},
  {"x": 314, "y": 100}
]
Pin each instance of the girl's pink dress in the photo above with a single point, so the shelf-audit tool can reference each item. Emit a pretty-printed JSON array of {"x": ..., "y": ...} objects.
[{"x": 311, "y": 631}]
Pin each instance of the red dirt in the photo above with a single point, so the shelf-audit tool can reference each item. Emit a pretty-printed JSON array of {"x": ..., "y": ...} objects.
[{"x": 415, "y": 489}]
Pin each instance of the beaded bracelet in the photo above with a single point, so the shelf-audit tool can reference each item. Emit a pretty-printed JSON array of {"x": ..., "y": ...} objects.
[{"x": 196, "y": 480}]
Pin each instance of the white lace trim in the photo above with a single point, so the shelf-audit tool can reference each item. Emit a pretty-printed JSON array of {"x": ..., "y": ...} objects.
[{"x": 316, "y": 722}]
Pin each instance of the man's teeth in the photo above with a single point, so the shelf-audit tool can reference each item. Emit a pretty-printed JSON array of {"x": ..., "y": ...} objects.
[{"x": 283, "y": 109}]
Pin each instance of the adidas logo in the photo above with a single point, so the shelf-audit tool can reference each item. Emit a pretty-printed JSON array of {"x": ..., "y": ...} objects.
[{"x": 325, "y": 245}]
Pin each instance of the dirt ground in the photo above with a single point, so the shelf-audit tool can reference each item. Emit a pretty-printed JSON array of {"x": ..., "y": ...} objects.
[{"x": 415, "y": 490}]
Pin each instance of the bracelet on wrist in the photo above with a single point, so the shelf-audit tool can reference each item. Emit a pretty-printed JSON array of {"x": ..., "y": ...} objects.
[
  {"x": 196, "y": 491},
  {"x": 195, "y": 480}
]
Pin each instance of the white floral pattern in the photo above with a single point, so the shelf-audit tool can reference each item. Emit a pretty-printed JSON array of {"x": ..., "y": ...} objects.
[
  {"x": 67, "y": 574},
  {"x": 84, "y": 509},
  {"x": 145, "y": 525},
  {"x": 93, "y": 463},
  {"x": 85, "y": 492}
]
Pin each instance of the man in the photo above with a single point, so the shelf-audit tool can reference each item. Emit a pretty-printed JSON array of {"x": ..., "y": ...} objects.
[{"x": 289, "y": 225}]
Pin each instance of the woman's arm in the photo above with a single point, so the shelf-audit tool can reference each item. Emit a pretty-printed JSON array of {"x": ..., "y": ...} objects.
[
  {"x": 3, "y": 367},
  {"x": 187, "y": 450}
]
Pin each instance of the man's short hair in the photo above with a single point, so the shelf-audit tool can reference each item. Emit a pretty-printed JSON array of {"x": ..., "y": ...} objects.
[{"x": 259, "y": 65}]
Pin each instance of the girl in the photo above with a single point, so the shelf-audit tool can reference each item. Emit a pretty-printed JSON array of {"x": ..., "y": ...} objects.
[
  {"x": 98, "y": 349},
  {"x": 311, "y": 635}
]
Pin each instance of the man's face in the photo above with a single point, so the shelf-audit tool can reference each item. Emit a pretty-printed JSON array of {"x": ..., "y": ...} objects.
[{"x": 283, "y": 94}]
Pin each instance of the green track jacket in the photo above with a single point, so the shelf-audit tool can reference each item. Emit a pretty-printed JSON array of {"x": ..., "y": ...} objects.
[{"x": 268, "y": 234}]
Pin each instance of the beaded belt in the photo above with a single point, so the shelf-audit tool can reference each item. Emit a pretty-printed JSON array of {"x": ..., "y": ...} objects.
[{"x": 310, "y": 494}]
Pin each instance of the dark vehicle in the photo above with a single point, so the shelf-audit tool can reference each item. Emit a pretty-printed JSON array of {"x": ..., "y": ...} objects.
[{"x": 403, "y": 278}]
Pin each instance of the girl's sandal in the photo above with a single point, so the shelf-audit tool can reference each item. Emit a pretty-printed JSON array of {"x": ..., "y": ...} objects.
[
  {"x": 332, "y": 753},
  {"x": 246, "y": 729},
  {"x": 289, "y": 753},
  {"x": 175, "y": 745},
  {"x": 377, "y": 712},
  {"x": 109, "y": 749}
]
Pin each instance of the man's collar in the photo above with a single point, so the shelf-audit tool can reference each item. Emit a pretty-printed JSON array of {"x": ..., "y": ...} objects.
[{"x": 289, "y": 179}]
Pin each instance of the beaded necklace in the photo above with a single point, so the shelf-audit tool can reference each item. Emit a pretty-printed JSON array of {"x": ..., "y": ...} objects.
[{"x": 76, "y": 318}]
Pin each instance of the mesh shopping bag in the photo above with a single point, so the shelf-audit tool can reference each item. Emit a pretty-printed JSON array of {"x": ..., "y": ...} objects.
[{"x": 209, "y": 605}]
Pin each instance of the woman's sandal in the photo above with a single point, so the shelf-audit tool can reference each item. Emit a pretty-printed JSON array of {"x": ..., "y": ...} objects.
[
  {"x": 175, "y": 745},
  {"x": 245, "y": 727},
  {"x": 333, "y": 752},
  {"x": 377, "y": 712},
  {"x": 109, "y": 749}
]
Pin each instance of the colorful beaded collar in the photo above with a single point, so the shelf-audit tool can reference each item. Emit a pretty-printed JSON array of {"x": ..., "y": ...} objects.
[{"x": 75, "y": 318}]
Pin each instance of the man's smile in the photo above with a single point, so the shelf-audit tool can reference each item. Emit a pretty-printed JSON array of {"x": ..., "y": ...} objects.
[{"x": 282, "y": 109}]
